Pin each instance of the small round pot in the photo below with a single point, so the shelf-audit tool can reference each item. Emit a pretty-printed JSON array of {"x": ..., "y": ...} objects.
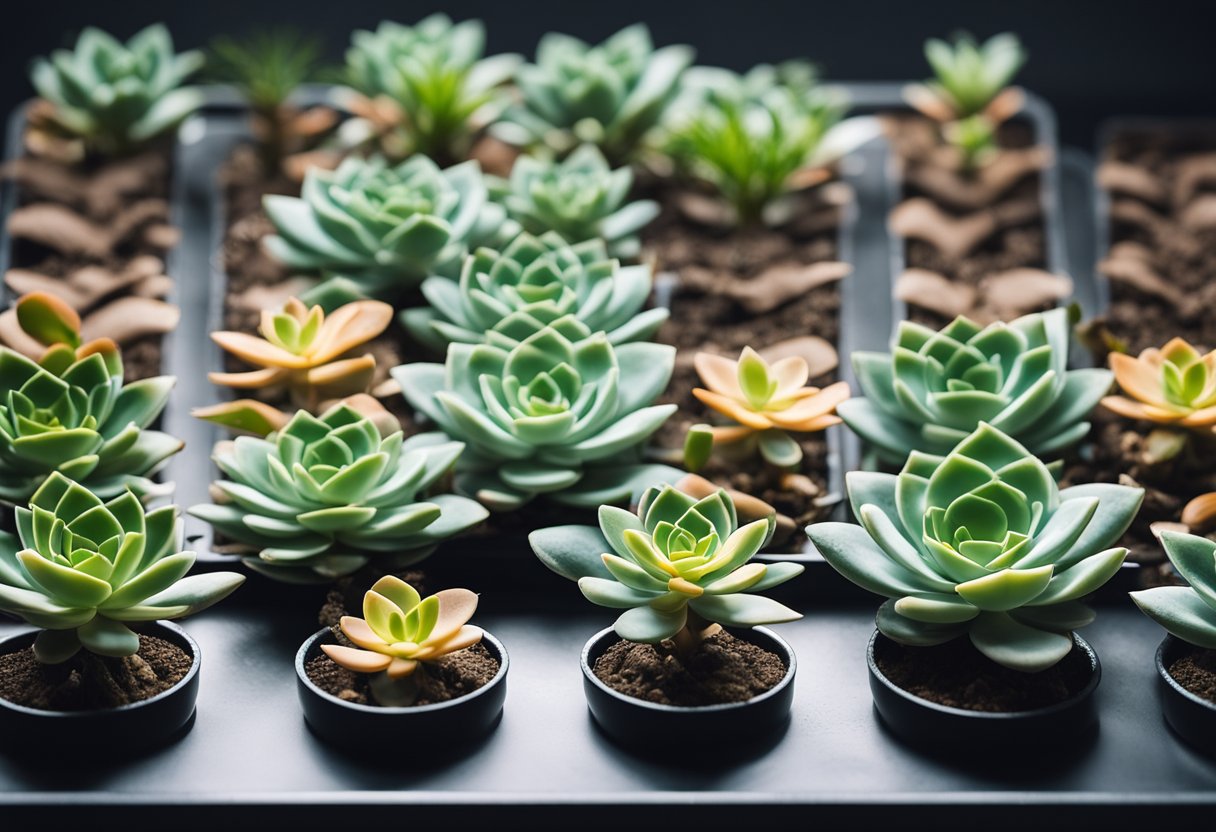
[
  {"x": 636, "y": 722},
  {"x": 927, "y": 723},
  {"x": 364, "y": 728},
  {"x": 123, "y": 729},
  {"x": 1192, "y": 717}
]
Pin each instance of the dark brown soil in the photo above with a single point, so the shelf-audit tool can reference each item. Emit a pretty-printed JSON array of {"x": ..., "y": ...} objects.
[
  {"x": 452, "y": 676},
  {"x": 959, "y": 676},
  {"x": 1196, "y": 672},
  {"x": 89, "y": 682},
  {"x": 725, "y": 669}
]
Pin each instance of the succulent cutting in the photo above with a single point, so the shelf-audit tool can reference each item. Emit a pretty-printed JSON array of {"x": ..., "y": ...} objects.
[
  {"x": 84, "y": 570},
  {"x": 319, "y": 498},
  {"x": 981, "y": 543},
  {"x": 400, "y": 633},
  {"x": 969, "y": 77},
  {"x": 1186, "y": 612},
  {"x": 934, "y": 388},
  {"x": 562, "y": 413},
  {"x": 1173, "y": 386},
  {"x": 505, "y": 296}
]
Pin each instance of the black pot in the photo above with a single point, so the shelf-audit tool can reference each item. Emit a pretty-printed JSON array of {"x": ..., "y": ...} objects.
[
  {"x": 369, "y": 727},
  {"x": 930, "y": 724},
  {"x": 636, "y": 722},
  {"x": 121, "y": 730},
  {"x": 1192, "y": 717}
]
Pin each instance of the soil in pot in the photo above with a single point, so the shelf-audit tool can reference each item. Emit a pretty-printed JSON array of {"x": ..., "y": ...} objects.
[
  {"x": 90, "y": 682},
  {"x": 723, "y": 670},
  {"x": 1196, "y": 671},
  {"x": 957, "y": 675}
]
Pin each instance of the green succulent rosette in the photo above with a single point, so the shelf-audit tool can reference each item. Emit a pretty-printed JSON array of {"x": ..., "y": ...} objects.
[
  {"x": 981, "y": 543},
  {"x": 610, "y": 95},
  {"x": 562, "y": 413},
  {"x": 1186, "y": 612},
  {"x": 84, "y": 569},
  {"x": 678, "y": 555},
  {"x": 321, "y": 497},
  {"x": 75, "y": 416},
  {"x": 117, "y": 96},
  {"x": 934, "y": 388},
  {"x": 503, "y": 297}
]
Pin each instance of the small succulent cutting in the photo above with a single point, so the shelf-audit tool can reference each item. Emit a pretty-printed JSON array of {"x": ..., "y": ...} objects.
[
  {"x": 433, "y": 76},
  {"x": 400, "y": 633},
  {"x": 562, "y": 413},
  {"x": 70, "y": 412},
  {"x": 1174, "y": 386},
  {"x": 319, "y": 498},
  {"x": 680, "y": 567},
  {"x": 503, "y": 297},
  {"x": 116, "y": 97},
  {"x": 381, "y": 228},
  {"x": 1187, "y": 612},
  {"x": 934, "y": 388},
  {"x": 981, "y": 543},
  {"x": 766, "y": 403},
  {"x": 580, "y": 198},
  {"x": 610, "y": 95},
  {"x": 83, "y": 570}
]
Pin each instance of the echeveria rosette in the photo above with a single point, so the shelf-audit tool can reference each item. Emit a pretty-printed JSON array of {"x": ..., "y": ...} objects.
[
  {"x": 503, "y": 297},
  {"x": 321, "y": 497},
  {"x": 382, "y": 228},
  {"x": 981, "y": 543},
  {"x": 1174, "y": 385},
  {"x": 581, "y": 198},
  {"x": 1186, "y": 612},
  {"x": 74, "y": 415},
  {"x": 84, "y": 569},
  {"x": 678, "y": 555},
  {"x": 116, "y": 96},
  {"x": 562, "y": 413},
  {"x": 610, "y": 95},
  {"x": 934, "y": 388}
]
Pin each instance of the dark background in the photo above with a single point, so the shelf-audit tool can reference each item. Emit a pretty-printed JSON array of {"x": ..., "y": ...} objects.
[{"x": 1090, "y": 60}]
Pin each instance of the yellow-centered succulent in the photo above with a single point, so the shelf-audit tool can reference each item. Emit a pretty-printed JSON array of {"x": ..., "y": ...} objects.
[{"x": 1174, "y": 385}]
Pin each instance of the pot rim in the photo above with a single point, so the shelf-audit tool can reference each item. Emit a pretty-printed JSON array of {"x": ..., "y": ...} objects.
[
  {"x": 790, "y": 667},
  {"x": 1172, "y": 641},
  {"x": 191, "y": 646},
  {"x": 949, "y": 710},
  {"x": 504, "y": 662}
]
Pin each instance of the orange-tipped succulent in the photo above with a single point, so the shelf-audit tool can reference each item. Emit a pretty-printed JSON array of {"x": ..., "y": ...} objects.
[
  {"x": 766, "y": 402},
  {"x": 55, "y": 326},
  {"x": 1174, "y": 385}
]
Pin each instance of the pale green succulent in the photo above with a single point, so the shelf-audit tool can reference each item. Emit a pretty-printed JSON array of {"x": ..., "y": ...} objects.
[
  {"x": 503, "y": 298},
  {"x": 610, "y": 95},
  {"x": 968, "y": 75},
  {"x": 562, "y": 413},
  {"x": 1187, "y": 612},
  {"x": 74, "y": 415},
  {"x": 83, "y": 569},
  {"x": 581, "y": 198},
  {"x": 981, "y": 543},
  {"x": 679, "y": 560},
  {"x": 319, "y": 498},
  {"x": 936, "y": 387},
  {"x": 380, "y": 229},
  {"x": 117, "y": 96}
]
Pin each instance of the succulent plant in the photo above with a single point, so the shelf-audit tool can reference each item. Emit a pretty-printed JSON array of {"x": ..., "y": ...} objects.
[
  {"x": 610, "y": 95},
  {"x": 1174, "y": 385},
  {"x": 1187, "y": 612},
  {"x": 679, "y": 567},
  {"x": 83, "y": 570},
  {"x": 116, "y": 96},
  {"x": 969, "y": 77},
  {"x": 383, "y": 228},
  {"x": 319, "y": 498},
  {"x": 400, "y": 633},
  {"x": 503, "y": 297},
  {"x": 981, "y": 542},
  {"x": 434, "y": 75},
  {"x": 936, "y": 387},
  {"x": 766, "y": 402},
  {"x": 580, "y": 198},
  {"x": 562, "y": 413}
]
